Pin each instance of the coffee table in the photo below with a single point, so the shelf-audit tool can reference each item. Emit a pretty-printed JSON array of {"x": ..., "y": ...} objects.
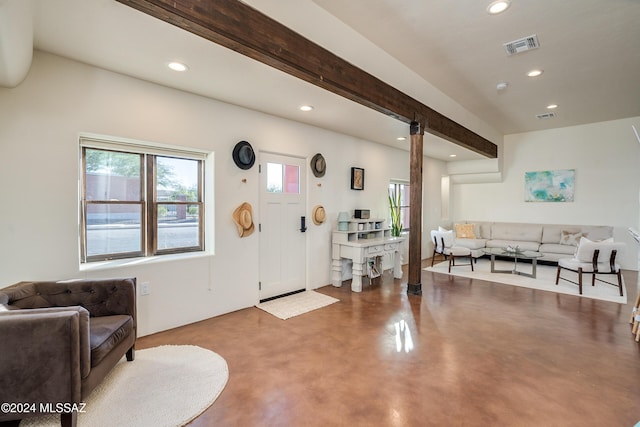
[{"x": 516, "y": 255}]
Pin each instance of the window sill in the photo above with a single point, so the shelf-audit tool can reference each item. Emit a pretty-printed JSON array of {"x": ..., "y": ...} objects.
[{"x": 132, "y": 262}]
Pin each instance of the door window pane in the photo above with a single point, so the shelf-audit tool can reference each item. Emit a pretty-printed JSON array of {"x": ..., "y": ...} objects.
[
  {"x": 274, "y": 177},
  {"x": 283, "y": 178},
  {"x": 292, "y": 179}
]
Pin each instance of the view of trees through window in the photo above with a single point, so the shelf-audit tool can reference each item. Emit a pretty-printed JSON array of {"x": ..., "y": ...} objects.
[
  {"x": 137, "y": 204},
  {"x": 402, "y": 189}
]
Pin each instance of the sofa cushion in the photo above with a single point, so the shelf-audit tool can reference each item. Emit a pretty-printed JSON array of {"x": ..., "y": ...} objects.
[
  {"x": 596, "y": 233},
  {"x": 552, "y": 233},
  {"x": 525, "y": 246},
  {"x": 106, "y": 333},
  {"x": 556, "y": 248},
  {"x": 517, "y": 232},
  {"x": 483, "y": 230},
  {"x": 471, "y": 243}
]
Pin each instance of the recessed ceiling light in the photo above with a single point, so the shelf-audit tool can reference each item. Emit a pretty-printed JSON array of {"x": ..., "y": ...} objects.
[
  {"x": 177, "y": 66},
  {"x": 401, "y": 138},
  {"x": 498, "y": 6},
  {"x": 306, "y": 107},
  {"x": 552, "y": 106},
  {"x": 534, "y": 73},
  {"x": 453, "y": 155}
]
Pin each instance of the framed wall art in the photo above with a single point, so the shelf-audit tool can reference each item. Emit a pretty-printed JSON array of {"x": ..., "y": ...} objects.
[
  {"x": 357, "y": 179},
  {"x": 549, "y": 186}
]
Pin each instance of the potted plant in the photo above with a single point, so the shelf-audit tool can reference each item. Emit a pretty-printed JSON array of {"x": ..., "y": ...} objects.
[{"x": 394, "y": 207}]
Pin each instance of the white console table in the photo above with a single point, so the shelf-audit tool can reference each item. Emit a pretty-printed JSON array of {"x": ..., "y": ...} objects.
[{"x": 363, "y": 240}]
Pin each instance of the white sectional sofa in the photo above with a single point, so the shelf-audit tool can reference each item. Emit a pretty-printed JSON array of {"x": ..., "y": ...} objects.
[{"x": 555, "y": 241}]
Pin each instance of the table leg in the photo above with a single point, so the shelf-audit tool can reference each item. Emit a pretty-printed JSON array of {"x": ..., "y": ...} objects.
[
  {"x": 356, "y": 280},
  {"x": 397, "y": 265},
  {"x": 534, "y": 262},
  {"x": 336, "y": 271},
  {"x": 493, "y": 263}
]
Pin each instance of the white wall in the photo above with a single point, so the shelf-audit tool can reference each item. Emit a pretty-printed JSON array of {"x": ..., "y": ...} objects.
[
  {"x": 606, "y": 158},
  {"x": 40, "y": 121}
]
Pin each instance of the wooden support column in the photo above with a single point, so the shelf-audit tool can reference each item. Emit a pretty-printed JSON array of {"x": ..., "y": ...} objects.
[{"x": 414, "y": 283}]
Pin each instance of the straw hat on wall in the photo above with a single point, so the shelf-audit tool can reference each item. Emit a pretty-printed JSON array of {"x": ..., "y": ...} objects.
[
  {"x": 319, "y": 215},
  {"x": 243, "y": 217}
]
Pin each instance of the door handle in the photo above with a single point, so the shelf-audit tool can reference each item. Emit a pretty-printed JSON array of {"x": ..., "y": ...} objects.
[{"x": 303, "y": 226}]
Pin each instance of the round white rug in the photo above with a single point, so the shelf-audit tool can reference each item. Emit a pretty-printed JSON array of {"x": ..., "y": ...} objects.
[{"x": 164, "y": 386}]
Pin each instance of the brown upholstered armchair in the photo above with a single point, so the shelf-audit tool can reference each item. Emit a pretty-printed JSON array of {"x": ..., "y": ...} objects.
[{"x": 60, "y": 339}]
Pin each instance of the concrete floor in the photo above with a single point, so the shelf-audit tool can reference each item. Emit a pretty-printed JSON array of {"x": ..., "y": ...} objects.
[{"x": 465, "y": 353}]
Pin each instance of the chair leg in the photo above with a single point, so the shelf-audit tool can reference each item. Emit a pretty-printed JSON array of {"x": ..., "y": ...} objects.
[
  {"x": 580, "y": 280},
  {"x": 451, "y": 261},
  {"x": 558, "y": 275},
  {"x": 69, "y": 419},
  {"x": 433, "y": 257},
  {"x": 131, "y": 354},
  {"x": 471, "y": 262},
  {"x": 620, "y": 281}
]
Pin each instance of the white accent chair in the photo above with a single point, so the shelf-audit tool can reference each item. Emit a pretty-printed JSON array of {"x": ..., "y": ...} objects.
[
  {"x": 595, "y": 258},
  {"x": 443, "y": 244}
]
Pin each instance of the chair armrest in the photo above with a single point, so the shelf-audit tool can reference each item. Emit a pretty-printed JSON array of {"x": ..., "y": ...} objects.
[{"x": 40, "y": 357}]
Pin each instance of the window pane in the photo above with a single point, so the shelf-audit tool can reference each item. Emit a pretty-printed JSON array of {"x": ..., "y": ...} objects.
[
  {"x": 177, "y": 179},
  {"x": 112, "y": 176},
  {"x": 274, "y": 177},
  {"x": 113, "y": 229},
  {"x": 178, "y": 226},
  {"x": 403, "y": 190},
  {"x": 404, "y": 195},
  {"x": 292, "y": 179},
  {"x": 404, "y": 215}
]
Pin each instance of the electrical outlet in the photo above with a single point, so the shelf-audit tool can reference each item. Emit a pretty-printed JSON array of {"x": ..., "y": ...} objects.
[{"x": 144, "y": 288}]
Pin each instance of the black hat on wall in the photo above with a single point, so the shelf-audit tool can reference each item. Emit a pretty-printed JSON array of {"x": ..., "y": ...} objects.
[
  {"x": 243, "y": 155},
  {"x": 318, "y": 165}
]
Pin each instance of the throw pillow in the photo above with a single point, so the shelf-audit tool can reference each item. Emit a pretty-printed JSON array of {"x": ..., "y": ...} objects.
[
  {"x": 448, "y": 238},
  {"x": 570, "y": 238},
  {"x": 584, "y": 252},
  {"x": 465, "y": 231}
]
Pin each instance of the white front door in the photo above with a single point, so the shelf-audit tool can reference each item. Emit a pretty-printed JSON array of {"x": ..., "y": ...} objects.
[{"x": 282, "y": 243}]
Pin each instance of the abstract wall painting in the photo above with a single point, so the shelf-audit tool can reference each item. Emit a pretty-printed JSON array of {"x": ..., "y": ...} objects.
[{"x": 549, "y": 186}]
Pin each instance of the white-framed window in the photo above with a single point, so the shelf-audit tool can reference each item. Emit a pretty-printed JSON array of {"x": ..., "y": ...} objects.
[
  {"x": 139, "y": 199},
  {"x": 403, "y": 189}
]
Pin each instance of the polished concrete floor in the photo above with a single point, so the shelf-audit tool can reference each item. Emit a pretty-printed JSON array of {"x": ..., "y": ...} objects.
[{"x": 465, "y": 353}]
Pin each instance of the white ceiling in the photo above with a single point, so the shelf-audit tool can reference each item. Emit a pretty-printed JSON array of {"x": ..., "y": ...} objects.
[{"x": 590, "y": 53}]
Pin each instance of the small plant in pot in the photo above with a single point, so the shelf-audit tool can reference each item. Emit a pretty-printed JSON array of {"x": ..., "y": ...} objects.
[{"x": 394, "y": 207}]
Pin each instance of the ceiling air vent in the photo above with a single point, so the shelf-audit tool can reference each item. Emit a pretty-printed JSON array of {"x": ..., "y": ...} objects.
[
  {"x": 546, "y": 116},
  {"x": 522, "y": 45}
]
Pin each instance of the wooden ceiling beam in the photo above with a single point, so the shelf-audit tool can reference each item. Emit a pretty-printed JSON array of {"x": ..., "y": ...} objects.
[{"x": 239, "y": 27}]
